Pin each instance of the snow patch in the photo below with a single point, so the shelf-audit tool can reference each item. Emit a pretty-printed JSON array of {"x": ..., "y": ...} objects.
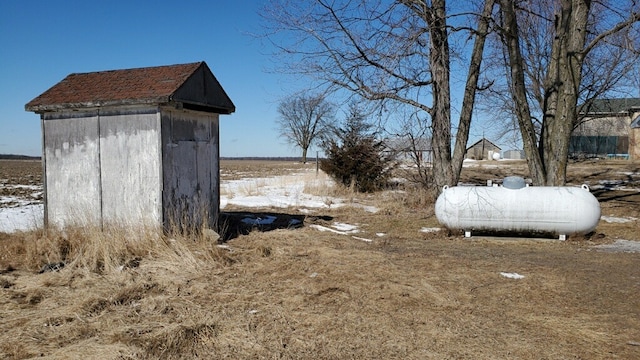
[
  {"x": 621, "y": 220},
  {"x": 345, "y": 227},
  {"x": 620, "y": 245},
  {"x": 362, "y": 239},
  {"x": 512, "y": 275},
  {"x": 278, "y": 191},
  {"x": 367, "y": 208},
  {"x": 340, "y": 228},
  {"x": 21, "y": 218}
]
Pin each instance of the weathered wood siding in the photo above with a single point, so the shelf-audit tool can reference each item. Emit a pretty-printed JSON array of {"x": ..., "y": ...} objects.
[
  {"x": 103, "y": 167},
  {"x": 71, "y": 164},
  {"x": 130, "y": 153},
  {"x": 190, "y": 167},
  {"x": 131, "y": 166}
]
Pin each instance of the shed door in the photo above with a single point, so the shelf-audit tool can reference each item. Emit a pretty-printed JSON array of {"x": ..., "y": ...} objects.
[{"x": 189, "y": 164}]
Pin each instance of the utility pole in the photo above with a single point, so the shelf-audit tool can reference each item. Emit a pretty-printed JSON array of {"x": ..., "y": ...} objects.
[{"x": 482, "y": 155}]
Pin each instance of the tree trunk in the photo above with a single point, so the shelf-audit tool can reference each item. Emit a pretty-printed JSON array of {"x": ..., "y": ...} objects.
[
  {"x": 441, "y": 109},
  {"x": 468, "y": 101},
  {"x": 519, "y": 93},
  {"x": 548, "y": 160},
  {"x": 561, "y": 88},
  {"x": 304, "y": 155}
]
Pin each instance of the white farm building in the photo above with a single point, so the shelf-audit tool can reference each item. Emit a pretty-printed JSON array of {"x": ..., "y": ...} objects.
[{"x": 133, "y": 146}]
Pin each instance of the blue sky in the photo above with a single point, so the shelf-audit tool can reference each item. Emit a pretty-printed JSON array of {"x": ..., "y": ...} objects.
[{"x": 43, "y": 41}]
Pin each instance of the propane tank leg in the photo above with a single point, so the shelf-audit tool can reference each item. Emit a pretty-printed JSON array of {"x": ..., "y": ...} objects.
[
  {"x": 562, "y": 237},
  {"x": 467, "y": 233}
]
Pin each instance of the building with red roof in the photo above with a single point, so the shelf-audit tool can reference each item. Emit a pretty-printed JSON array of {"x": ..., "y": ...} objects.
[{"x": 133, "y": 146}]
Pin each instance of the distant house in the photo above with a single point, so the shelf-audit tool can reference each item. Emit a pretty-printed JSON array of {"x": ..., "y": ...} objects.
[
  {"x": 408, "y": 149},
  {"x": 481, "y": 149},
  {"x": 634, "y": 138},
  {"x": 610, "y": 127},
  {"x": 132, "y": 146}
]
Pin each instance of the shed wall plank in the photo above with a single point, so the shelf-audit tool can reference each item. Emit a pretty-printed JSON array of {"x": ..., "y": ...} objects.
[
  {"x": 71, "y": 151},
  {"x": 130, "y": 164}
]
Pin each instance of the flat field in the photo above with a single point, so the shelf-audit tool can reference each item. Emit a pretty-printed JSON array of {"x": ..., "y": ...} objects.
[{"x": 396, "y": 289}]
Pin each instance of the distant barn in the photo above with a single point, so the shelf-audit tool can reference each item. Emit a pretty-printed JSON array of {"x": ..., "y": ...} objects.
[
  {"x": 133, "y": 146},
  {"x": 481, "y": 150}
]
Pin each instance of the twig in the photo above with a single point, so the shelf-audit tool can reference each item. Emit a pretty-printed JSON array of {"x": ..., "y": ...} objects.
[
  {"x": 79, "y": 318},
  {"x": 483, "y": 285}
]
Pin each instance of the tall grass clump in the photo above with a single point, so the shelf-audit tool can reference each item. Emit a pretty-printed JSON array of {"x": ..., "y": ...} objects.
[{"x": 114, "y": 248}]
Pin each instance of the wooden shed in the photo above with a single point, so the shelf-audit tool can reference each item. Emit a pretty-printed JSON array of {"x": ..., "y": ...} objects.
[
  {"x": 133, "y": 146},
  {"x": 480, "y": 150}
]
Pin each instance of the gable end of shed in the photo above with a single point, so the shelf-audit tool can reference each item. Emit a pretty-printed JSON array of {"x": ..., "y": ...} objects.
[{"x": 202, "y": 92}]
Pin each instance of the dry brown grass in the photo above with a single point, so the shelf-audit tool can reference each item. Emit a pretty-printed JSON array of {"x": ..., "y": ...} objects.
[{"x": 301, "y": 293}]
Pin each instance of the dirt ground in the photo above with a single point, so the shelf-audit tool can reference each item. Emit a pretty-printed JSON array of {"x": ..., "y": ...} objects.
[{"x": 298, "y": 293}]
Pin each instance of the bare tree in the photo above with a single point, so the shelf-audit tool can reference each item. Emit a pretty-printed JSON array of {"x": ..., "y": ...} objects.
[
  {"x": 395, "y": 51},
  {"x": 559, "y": 53},
  {"x": 303, "y": 119},
  {"x": 412, "y": 142}
]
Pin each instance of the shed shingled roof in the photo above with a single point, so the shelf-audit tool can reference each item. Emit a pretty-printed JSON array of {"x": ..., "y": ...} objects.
[{"x": 148, "y": 85}]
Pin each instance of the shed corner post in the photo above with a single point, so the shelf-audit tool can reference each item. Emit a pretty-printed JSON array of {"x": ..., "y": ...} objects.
[
  {"x": 43, "y": 160},
  {"x": 216, "y": 172}
]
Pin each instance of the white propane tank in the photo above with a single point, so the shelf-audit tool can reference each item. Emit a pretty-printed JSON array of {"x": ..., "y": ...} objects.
[{"x": 514, "y": 207}]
